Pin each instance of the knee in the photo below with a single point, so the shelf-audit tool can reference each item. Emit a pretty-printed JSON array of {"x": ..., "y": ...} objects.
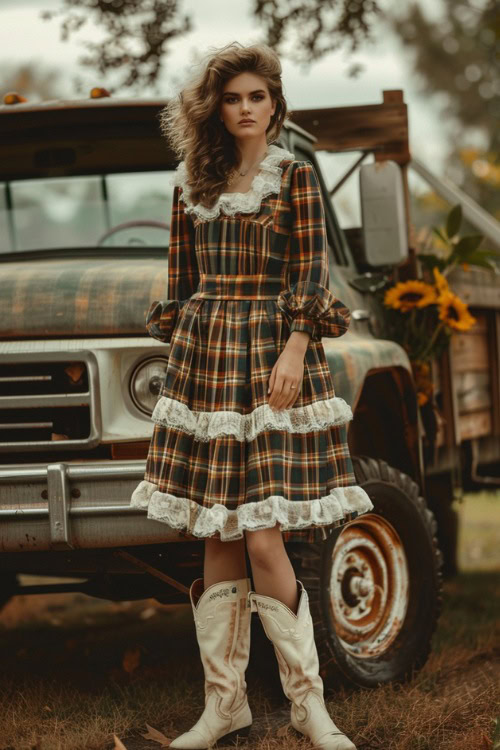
[
  {"x": 264, "y": 547},
  {"x": 216, "y": 548}
]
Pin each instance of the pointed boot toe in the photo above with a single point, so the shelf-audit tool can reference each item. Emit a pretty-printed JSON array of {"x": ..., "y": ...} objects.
[
  {"x": 222, "y": 619},
  {"x": 293, "y": 638},
  {"x": 191, "y": 740},
  {"x": 336, "y": 740}
]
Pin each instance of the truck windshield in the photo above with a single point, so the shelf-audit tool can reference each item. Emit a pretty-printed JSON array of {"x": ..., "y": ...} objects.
[{"x": 111, "y": 210}]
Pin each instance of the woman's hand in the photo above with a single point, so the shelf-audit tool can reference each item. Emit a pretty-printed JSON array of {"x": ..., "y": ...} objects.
[{"x": 288, "y": 370}]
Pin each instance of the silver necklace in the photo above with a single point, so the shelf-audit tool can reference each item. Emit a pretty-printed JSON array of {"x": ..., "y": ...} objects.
[{"x": 234, "y": 171}]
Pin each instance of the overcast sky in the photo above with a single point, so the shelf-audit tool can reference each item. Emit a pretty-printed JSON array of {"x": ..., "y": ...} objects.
[{"x": 25, "y": 38}]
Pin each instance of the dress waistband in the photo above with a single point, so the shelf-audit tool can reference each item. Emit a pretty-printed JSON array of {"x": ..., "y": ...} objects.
[{"x": 224, "y": 286}]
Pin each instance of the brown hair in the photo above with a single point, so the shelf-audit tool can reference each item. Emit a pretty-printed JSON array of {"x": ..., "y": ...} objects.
[{"x": 191, "y": 122}]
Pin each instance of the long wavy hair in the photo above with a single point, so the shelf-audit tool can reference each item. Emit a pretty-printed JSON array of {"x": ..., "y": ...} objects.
[{"x": 191, "y": 121}]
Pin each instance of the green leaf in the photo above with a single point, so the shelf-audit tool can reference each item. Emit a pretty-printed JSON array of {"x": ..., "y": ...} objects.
[
  {"x": 467, "y": 245},
  {"x": 490, "y": 253},
  {"x": 453, "y": 221},
  {"x": 440, "y": 234},
  {"x": 478, "y": 259}
]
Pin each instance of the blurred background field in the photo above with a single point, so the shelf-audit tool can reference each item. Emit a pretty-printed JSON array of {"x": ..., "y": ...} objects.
[{"x": 479, "y": 531}]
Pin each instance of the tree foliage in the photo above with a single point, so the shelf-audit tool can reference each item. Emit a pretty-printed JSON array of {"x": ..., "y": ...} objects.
[
  {"x": 138, "y": 33},
  {"x": 318, "y": 26},
  {"x": 457, "y": 57}
]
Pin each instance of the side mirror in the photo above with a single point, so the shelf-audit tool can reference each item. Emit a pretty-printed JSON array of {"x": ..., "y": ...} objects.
[{"x": 383, "y": 215}]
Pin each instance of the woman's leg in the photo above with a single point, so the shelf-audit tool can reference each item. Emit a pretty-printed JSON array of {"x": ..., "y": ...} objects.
[
  {"x": 272, "y": 571},
  {"x": 292, "y": 637},
  {"x": 222, "y": 622},
  {"x": 224, "y": 561}
]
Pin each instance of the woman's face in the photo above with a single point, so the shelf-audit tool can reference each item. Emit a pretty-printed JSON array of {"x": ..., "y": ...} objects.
[{"x": 246, "y": 96}]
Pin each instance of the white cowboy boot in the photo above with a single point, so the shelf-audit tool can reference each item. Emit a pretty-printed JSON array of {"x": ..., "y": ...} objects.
[
  {"x": 293, "y": 639},
  {"x": 222, "y": 619}
]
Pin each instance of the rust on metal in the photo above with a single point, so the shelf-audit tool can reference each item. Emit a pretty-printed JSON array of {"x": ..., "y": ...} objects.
[{"x": 369, "y": 586}]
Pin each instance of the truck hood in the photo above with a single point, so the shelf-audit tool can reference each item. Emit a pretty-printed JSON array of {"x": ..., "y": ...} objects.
[{"x": 79, "y": 297}]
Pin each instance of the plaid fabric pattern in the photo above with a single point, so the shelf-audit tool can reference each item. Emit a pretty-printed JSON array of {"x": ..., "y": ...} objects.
[{"x": 220, "y": 459}]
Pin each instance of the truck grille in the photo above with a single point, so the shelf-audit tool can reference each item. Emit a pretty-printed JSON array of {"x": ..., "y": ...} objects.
[{"x": 48, "y": 401}]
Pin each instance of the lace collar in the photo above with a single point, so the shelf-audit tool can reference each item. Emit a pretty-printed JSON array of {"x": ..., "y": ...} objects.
[{"x": 266, "y": 181}]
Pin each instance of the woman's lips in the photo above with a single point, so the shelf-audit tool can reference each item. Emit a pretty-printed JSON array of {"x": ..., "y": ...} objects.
[{"x": 247, "y": 122}]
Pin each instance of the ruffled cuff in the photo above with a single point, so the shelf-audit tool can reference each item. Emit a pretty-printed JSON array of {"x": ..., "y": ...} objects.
[
  {"x": 161, "y": 318},
  {"x": 311, "y": 307}
]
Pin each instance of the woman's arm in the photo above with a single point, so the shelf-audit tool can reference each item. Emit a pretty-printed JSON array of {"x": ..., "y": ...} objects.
[
  {"x": 312, "y": 309},
  {"x": 183, "y": 273},
  {"x": 307, "y": 301}
]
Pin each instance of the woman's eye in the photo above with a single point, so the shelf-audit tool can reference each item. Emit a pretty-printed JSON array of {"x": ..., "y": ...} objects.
[{"x": 231, "y": 98}]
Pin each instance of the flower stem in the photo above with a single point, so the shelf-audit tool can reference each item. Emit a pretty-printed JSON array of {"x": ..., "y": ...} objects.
[{"x": 428, "y": 349}]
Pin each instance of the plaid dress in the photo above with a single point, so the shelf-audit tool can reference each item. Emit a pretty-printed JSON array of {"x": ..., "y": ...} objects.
[{"x": 242, "y": 276}]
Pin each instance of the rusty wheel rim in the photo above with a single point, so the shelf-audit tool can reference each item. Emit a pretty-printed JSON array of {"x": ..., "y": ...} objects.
[{"x": 369, "y": 586}]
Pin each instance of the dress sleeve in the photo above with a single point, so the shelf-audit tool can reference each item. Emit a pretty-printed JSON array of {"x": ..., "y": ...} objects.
[
  {"x": 183, "y": 273},
  {"x": 307, "y": 302}
]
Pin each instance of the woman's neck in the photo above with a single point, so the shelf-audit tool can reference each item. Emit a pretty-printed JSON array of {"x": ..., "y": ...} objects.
[{"x": 250, "y": 151}]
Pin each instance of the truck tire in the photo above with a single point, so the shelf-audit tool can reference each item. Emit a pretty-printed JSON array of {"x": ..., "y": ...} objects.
[{"x": 375, "y": 584}]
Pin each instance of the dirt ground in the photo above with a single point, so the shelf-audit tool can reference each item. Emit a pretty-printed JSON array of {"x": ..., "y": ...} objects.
[{"x": 78, "y": 672}]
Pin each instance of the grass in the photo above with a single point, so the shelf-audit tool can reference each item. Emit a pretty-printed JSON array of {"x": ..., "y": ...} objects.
[{"x": 76, "y": 670}]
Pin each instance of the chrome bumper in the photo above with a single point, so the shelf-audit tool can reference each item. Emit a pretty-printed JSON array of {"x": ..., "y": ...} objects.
[{"x": 75, "y": 505}]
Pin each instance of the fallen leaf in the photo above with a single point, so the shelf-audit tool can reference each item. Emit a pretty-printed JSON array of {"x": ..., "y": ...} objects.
[
  {"x": 131, "y": 659},
  {"x": 147, "y": 613},
  {"x": 156, "y": 736},
  {"x": 118, "y": 744}
]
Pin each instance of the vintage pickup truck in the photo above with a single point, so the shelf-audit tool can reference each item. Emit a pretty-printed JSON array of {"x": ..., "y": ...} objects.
[{"x": 84, "y": 226}]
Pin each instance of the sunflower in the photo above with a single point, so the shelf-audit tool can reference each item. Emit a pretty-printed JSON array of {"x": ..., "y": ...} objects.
[
  {"x": 406, "y": 295},
  {"x": 440, "y": 281},
  {"x": 454, "y": 312}
]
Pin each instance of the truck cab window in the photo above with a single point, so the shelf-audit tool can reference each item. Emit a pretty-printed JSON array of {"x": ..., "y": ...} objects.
[{"x": 78, "y": 211}]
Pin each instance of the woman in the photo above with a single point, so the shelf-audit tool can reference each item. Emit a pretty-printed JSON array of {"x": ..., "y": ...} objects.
[{"x": 249, "y": 438}]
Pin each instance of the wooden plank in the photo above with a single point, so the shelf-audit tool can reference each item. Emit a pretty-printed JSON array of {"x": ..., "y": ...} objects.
[
  {"x": 381, "y": 128},
  {"x": 473, "y": 391},
  {"x": 481, "y": 324},
  {"x": 449, "y": 400},
  {"x": 474, "y": 424},
  {"x": 494, "y": 345},
  {"x": 477, "y": 286},
  {"x": 469, "y": 351}
]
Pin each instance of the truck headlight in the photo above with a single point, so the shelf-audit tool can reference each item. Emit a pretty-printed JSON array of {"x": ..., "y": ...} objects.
[{"x": 146, "y": 383}]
